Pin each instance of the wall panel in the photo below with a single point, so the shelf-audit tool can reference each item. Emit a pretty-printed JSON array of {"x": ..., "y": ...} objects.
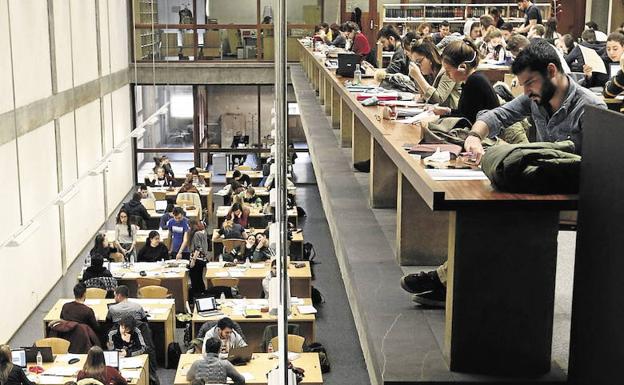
[
  {"x": 104, "y": 37},
  {"x": 118, "y": 16},
  {"x": 84, "y": 41},
  {"x": 6, "y": 78},
  {"x": 119, "y": 179},
  {"x": 10, "y": 191},
  {"x": 62, "y": 45},
  {"x": 121, "y": 114},
  {"x": 88, "y": 136},
  {"x": 69, "y": 165}
]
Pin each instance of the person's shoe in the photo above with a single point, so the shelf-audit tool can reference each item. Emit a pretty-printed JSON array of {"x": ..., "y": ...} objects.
[
  {"x": 363, "y": 166},
  {"x": 421, "y": 282},
  {"x": 434, "y": 298}
]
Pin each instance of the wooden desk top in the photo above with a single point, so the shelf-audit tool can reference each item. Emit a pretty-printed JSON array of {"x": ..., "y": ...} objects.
[
  {"x": 258, "y": 367},
  {"x": 252, "y": 174},
  {"x": 189, "y": 213},
  {"x": 439, "y": 195},
  {"x": 152, "y": 269},
  {"x": 141, "y": 235},
  {"x": 296, "y": 237},
  {"x": 130, "y": 369},
  {"x": 254, "y": 211},
  {"x": 172, "y": 192},
  {"x": 234, "y": 308},
  {"x": 157, "y": 309},
  {"x": 214, "y": 270}
]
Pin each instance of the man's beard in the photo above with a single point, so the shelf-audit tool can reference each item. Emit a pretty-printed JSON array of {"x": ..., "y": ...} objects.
[{"x": 546, "y": 93}]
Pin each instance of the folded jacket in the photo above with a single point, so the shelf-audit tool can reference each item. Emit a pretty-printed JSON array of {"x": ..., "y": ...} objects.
[{"x": 536, "y": 168}]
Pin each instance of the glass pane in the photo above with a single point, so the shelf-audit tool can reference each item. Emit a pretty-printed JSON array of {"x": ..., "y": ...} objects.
[
  {"x": 174, "y": 128},
  {"x": 180, "y": 163}
]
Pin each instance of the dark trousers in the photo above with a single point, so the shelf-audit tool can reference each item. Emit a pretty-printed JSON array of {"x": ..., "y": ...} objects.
[{"x": 197, "y": 278}]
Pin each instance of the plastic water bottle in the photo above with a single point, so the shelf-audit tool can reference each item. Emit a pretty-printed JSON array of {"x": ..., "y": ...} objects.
[
  {"x": 88, "y": 260},
  {"x": 132, "y": 258},
  {"x": 109, "y": 265},
  {"x": 247, "y": 263},
  {"x": 270, "y": 348},
  {"x": 357, "y": 75},
  {"x": 222, "y": 298},
  {"x": 39, "y": 359},
  {"x": 220, "y": 258}
]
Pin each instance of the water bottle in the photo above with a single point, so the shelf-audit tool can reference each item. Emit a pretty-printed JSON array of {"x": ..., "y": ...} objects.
[
  {"x": 270, "y": 348},
  {"x": 88, "y": 260},
  {"x": 39, "y": 359},
  {"x": 222, "y": 298},
  {"x": 132, "y": 258},
  {"x": 220, "y": 258},
  {"x": 109, "y": 265},
  {"x": 357, "y": 75},
  {"x": 247, "y": 263}
]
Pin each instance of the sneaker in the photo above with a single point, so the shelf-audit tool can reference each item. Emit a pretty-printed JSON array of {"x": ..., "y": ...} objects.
[
  {"x": 434, "y": 298},
  {"x": 363, "y": 166},
  {"x": 421, "y": 282}
]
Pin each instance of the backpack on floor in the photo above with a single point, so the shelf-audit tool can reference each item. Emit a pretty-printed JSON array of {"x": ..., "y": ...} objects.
[
  {"x": 323, "y": 358},
  {"x": 174, "y": 352},
  {"x": 317, "y": 297},
  {"x": 308, "y": 252}
]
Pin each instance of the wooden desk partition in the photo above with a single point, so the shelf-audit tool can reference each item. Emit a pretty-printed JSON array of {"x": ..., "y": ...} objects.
[{"x": 495, "y": 242}]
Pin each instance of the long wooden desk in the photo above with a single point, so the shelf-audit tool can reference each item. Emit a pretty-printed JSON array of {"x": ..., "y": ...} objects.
[
  {"x": 141, "y": 237},
  {"x": 173, "y": 278},
  {"x": 253, "y": 328},
  {"x": 160, "y": 313},
  {"x": 256, "y": 370},
  {"x": 501, "y": 247},
  {"x": 250, "y": 280},
  {"x": 256, "y": 217},
  {"x": 134, "y": 369},
  {"x": 254, "y": 176},
  {"x": 207, "y": 175},
  {"x": 296, "y": 243}
]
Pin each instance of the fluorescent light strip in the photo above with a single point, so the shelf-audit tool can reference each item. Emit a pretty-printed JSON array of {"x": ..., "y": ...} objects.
[
  {"x": 67, "y": 195},
  {"x": 24, "y": 233}
]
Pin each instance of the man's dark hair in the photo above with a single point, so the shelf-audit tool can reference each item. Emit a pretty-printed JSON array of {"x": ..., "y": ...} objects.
[
  {"x": 486, "y": 21},
  {"x": 536, "y": 57},
  {"x": 517, "y": 43},
  {"x": 79, "y": 290},
  {"x": 178, "y": 211},
  {"x": 170, "y": 207},
  {"x": 123, "y": 291},
  {"x": 128, "y": 321},
  {"x": 444, "y": 24},
  {"x": 494, "y": 11},
  {"x": 137, "y": 196},
  {"x": 589, "y": 36},
  {"x": 351, "y": 26},
  {"x": 506, "y": 27},
  {"x": 225, "y": 322},
  {"x": 142, "y": 186},
  {"x": 236, "y": 174},
  {"x": 387, "y": 32},
  {"x": 213, "y": 345},
  {"x": 592, "y": 25}
]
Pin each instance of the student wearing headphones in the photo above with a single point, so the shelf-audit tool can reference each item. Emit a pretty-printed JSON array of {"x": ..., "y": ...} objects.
[{"x": 460, "y": 60}]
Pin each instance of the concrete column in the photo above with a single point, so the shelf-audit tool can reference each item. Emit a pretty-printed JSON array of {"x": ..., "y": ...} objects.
[
  {"x": 422, "y": 234},
  {"x": 383, "y": 178},
  {"x": 360, "y": 140}
]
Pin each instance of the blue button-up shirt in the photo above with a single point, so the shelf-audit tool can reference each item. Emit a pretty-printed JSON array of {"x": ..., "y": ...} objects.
[{"x": 566, "y": 123}]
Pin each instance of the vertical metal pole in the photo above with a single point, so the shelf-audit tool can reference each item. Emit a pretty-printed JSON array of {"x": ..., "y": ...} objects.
[{"x": 281, "y": 163}]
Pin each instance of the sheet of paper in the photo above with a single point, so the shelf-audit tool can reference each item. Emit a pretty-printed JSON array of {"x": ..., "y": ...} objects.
[
  {"x": 306, "y": 309},
  {"x": 453, "y": 174},
  {"x": 214, "y": 265},
  {"x": 236, "y": 274},
  {"x": 89, "y": 302},
  {"x": 222, "y": 274},
  {"x": 131, "y": 363},
  {"x": 158, "y": 310},
  {"x": 593, "y": 60},
  {"x": 131, "y": 374},
  {"x": 248, "y": 376},
  {"x": 64, "y": 358},
  {"x": 417, "y": 118},
  {"x": 296, "y": 301},
  {"x": 63, "y": 371},
  {"x": 152, "y": 301},
  {"x": 291, "y": 355},
  {"x": 258, "y": 265}
]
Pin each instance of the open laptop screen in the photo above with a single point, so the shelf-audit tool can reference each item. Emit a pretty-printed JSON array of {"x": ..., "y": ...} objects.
[
  {"x": 18, "y": 357},
  {"x": 205, "y": 304},
  {"x": 112, "y": 358}
]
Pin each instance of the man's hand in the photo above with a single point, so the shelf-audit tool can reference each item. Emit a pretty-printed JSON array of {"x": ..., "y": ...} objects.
[
  {"x": 414, "y": 70},
  {"x": 441, "y": 110},
  {"x": 587, "y": 71},
  {"x": 179, "y": 255},
  {"x": 473, "y": 145}
]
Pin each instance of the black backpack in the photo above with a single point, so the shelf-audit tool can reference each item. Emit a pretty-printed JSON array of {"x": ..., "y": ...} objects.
[
  {"x": 174, "y": 352},
  {"x": 308, "y": 252},
  {"x": 317, "y": 297},
  {"x": 323, "y": 358}
]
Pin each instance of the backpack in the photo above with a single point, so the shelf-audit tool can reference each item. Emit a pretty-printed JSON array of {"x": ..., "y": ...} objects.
[
  {"x": 174, "y": 352},
  {"x": 308, "y": 252},
  {"x": 323, "y": 358},
  {"x": 317, "y": 297}
]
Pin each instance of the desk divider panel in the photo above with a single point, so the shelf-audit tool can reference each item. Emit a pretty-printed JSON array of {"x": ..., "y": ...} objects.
[
  {"x": 383, "y": 178},
  {"x": 328, "y": 95},
  {"x": 360, "y": 141},
  {"x": 346, "y": 124},
  {"x": 335, "y": 108}
]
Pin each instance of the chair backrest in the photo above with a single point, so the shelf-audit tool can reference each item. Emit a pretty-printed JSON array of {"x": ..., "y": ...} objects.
[
  {"x": 243, "y": 168},
  {"x": 117, "y": 257},
  {"x": 142, "y": 282},
  {"x": 192, "y": 198},
  {"x": 224, "y": 282},
  {"x": 58, "y": 345},
  {"x": 270, "y": 331},
  {"x": 159, "y": 195},
  {"x": 148, "y": 203},
  {"x": 295, "y": 343},
  {"x": 95, "y": 293},
  {"x": 157, "y": 292},
  {"x": 231, "y": 244}
]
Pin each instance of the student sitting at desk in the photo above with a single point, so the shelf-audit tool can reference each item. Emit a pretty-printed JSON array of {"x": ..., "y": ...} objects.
[
  {"x": 339, "y": 40},
  {"x": 262, "y": 252},
  {"x": 160, "y": 179},
  {"x": 164, "y": 219},
  {"x": 211, "y": 368},
  {"x": 391, "y": 41},
  {"x": 127, "y": 338},
  {"x": 241, "y": 178},
  {"x": 195, "y": 177},
  {"x": 11, "y": 374},
  {"x": 231, "y": 230},
  {"x": 250, "y": 246},
  {"x": 555, "y": 103},
  {"x": 249, "y": 196},
  {"x": 136, "y": 210},
  {"x": 77, "y": 311},
  {"x": 359, "y": 42},
  {"x": 188, "y": 186},
  {"x": 199, "y": 253},
  {"x": 444, "y": 30},
  {"x": 224, "y": 332},
  {"x": 146, "y": 193},
  {"x": 125, "y": 235},
  {"x": 615, "y": 86},
  {"x": 425, "y": 61},
  {"x": 493, "y": 47},
  {"x": 96, "y": 270},
  {"x": 615, "y": 48},
  {"x": 165, "y": 164},
  {"x": 101, "y": 248},
  {"x": 460, "y": 60},
  {"x": 239, "y": 214},
  {"x": 178, "y": 235},
  {"x": 123, "y": 307},
  {"x": 153, "y": 250},
  {"x": 95, "y": 368}
]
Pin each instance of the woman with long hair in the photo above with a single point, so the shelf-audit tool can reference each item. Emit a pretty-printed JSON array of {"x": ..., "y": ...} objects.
[
  {"x": 425, "y": 61},
  {"x": 95, "y": 368},
  {"x": 199, "y": 253},
  {"x": 9, "y": 373},
  {"x": 101, "y": 248},
  {"x": 125, "y": 234},
  {"x": 154, "y": 250}
]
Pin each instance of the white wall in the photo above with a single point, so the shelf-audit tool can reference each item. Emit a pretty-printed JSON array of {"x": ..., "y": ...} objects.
[{"x": 43, "y": 161}]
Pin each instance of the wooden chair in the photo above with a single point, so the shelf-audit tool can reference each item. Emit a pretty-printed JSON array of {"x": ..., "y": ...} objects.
[
  {"x": 58, "y": 345},
  {"x": 155, "y": 292},
  {"x": 231, "y": 244},
  {"x": 159, "y": 195},
  {"x": 295, "y": 343},
  {"x": 224, "y": 282},
  {"x": 117, "y": 257},
  {"x": 142, "y": 282},
  {"x": 96, "y": 293}
]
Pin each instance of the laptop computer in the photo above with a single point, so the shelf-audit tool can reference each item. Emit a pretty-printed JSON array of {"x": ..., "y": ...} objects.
[
  {"x": 346, "y": 64},
  {"x": 206, "y": 307},
  {"x": 18, "y": 358},
  {"x": 240, "y": 356},
  {"x": 46, "y": 354},
  {"x": 160, "y": 206},
  {"x": 112, "y": 358}
]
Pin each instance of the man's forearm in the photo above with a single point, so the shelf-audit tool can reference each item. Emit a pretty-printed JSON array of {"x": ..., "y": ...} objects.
[{"x": 481, "y": 128}]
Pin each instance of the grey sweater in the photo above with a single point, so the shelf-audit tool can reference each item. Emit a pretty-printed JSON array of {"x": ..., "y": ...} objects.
[{"x": 212, "y": 369}]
